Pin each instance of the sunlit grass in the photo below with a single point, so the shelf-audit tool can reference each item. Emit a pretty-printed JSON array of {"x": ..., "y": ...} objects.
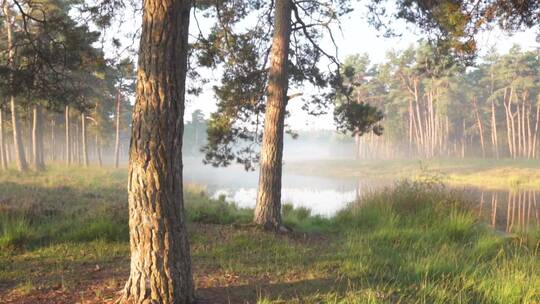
[
  {"x": 486, "y": 173},
  {"x": 415, "y": 242}
]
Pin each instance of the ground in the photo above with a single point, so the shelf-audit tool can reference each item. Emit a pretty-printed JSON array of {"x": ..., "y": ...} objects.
[{"x": 64, "y": 239}]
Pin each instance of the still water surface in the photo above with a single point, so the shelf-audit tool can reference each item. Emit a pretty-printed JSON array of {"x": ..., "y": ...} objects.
[{"x": 506, "y": 210}]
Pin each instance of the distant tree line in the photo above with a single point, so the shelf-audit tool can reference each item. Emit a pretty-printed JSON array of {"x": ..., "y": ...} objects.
[{"x": 434, "y": 106}]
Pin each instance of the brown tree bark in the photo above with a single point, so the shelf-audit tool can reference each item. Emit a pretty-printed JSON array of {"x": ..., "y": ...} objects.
[
  {"x": 83, "y": 140},
  {"x": 160, "y": 256},
  {"x": 117, "y": 138},
  {"x": 268, "y": 208}
]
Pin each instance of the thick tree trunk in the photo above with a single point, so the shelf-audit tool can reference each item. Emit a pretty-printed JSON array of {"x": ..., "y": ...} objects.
[
  {"x": 37, "y": 139},
  {"x": 117, "y": 138},
  {"x": 68, "y": 145},
  {"x": 160, "y": 255},
  {"x": 268, "y": 208},
  {"x": 3, "y": 152},
  {"x": 83, "y": 140}
]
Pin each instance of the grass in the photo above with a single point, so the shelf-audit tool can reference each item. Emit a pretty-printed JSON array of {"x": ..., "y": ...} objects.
[
  {"x": 486, "y": 173},
  {"x": 63, "y": 236}
]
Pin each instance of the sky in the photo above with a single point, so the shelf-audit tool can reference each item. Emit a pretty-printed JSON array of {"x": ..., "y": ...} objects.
[{"x": 357, "y": 36}]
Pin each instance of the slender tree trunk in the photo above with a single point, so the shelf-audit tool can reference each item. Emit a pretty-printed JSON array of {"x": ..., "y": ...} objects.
[
  {"x": 68, "y": 145},
  {"x": 268, "y": 208},
  {"x": 418, "y": 116},
  {"x": 513, "y": 129},
  {"x": 480, "y": 127},
  {"x": 3, "y": 152},
  {"x": 463, "y": 139},
  {"x": 528, "y": 129},
  {"x": 37, "y": 139},
  {"x": 508, "y": 127},
  {"x": 519, "y": 140},
  {"x": 356, "y": 147},
  {"x": 494, "y": 136},
  {"x": 83, "y": 140},
  {"x": 53, "y": 139},
  {"x": 117, "y": 138},
  {"x": 18, "y": 145},
  {"x": 536, "y": 127},
  {"x": 522, "y": 135},
  {"x": 98, "y": 150},
  {"x": 77, "y": 146},
  {"x": 160, "y": 255},
  {"x": 411, "y": 123}
]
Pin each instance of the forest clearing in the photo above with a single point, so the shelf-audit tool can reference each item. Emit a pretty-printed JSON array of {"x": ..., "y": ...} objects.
[
  {"x": 65, "y": 240},
  {"x": 258, "y": 152}
]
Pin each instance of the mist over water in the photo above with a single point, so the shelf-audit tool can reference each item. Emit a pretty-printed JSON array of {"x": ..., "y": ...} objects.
[
  {"x": 322, "y": 195},
  {"x": 505, "y": 209}
]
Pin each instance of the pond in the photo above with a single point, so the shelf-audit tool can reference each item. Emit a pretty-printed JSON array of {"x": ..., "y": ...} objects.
[{"x": 505, "y": 210}]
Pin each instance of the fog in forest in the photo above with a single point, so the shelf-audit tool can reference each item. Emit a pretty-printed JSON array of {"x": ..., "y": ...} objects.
[{"x": 269, "y": 152}]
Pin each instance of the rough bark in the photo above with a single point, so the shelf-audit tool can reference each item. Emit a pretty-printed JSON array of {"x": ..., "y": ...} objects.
[
  {"x": 160, "y": 256},
  {"x": 268, "y": 208}
]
